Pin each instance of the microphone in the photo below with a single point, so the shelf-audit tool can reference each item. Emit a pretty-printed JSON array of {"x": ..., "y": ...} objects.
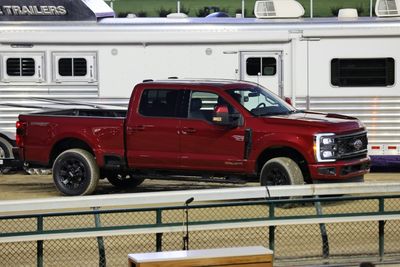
[{"x": 188, "y": 201}]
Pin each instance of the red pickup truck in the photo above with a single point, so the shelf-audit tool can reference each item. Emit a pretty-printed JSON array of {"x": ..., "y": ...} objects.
[{"x": 202, "y": 128}]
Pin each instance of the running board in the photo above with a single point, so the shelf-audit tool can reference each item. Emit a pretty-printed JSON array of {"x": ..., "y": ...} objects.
[{"x": 206, "y": 178}]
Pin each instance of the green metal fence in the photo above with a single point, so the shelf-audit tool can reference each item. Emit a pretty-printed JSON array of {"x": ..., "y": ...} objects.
[{"x": 300, "y": 231}]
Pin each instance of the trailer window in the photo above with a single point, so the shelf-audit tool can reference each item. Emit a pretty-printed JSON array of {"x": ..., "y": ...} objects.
[
  {"x": 264, "y": 66},
  {"x": 160, "y": 103},
  {"x": 20, "y": 66},
  {"x": 362, "y": 72},
  {"x": 72, "y": 66}
]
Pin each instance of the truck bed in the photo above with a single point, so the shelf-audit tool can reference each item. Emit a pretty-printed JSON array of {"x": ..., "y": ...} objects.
[{"x": 100, "y": 130}]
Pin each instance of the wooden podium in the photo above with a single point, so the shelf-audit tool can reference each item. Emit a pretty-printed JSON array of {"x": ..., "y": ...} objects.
[{"x": 238, "y": 256}]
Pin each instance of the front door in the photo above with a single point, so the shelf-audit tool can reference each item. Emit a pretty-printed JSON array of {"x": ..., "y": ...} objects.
[
  {"x": 264, "y": 68},
  {"x": 206, "y": 146}
]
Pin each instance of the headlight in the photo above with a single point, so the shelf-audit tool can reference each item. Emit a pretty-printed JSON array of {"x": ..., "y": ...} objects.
[
  {"x": 327, "y": 140},
  {"x": 325, "y": 147}
]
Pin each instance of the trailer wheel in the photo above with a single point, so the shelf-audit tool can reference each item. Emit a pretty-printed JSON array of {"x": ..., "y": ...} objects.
[
  {"x": 123, "y": 180},
  {"x": 281, "y": 171},
  {"x": 75, "y": 172},
  {"x": 5, "y": 152}
]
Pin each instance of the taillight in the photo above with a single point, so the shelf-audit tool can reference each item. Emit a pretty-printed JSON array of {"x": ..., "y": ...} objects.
[{"x": 21, "y": 126}]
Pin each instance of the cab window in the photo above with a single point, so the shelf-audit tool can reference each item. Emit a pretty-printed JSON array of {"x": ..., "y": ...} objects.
[
  {"x": 202, "y": 104},
  {"x": 160, "y": 103}
]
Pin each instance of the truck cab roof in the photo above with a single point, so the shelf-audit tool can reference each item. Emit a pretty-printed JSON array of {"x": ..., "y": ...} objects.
[{"x": 216, "y": 83}]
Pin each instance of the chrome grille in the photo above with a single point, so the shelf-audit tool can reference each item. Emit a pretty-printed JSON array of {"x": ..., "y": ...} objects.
[{"x": 352, "y": 145}]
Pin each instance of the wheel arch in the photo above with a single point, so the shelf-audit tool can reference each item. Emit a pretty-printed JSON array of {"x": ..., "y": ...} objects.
[
  {"x": 8, "y": 139},
  {"x": 6, "y": 147},
  {"x": 66, "y": 144},
  {"x": 284, "y": 151}
]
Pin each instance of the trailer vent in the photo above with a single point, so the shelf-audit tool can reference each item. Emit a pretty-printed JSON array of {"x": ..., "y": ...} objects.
[
  {"x": 387, "y": 8},
  {"x": 20, "y": 67},
  {"x": 278, "y": 9}
]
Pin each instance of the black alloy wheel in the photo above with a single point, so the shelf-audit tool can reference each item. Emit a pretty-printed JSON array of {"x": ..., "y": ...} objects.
[
  {"x": 281, "y": 171},
  {"x": 276, "y": 175},
  {"x": 75, "y": 172}
]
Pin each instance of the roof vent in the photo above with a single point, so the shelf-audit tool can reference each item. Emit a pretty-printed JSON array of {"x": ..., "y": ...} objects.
[
  {"x": 387, "y": 8},
  {"x": 177, "y": 16},
  {"x": 348, "y": 13},
  {"x": 278, "y": 9}
]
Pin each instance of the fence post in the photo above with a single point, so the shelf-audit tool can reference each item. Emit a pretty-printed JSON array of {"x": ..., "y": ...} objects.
[
  {"x": 39, "y": 254},
  {"x": 322, "y": 228},
  {"x": 381, "y": 230},
  {"x": 100, "y": 241},
  {"x": 159, "y": 235},
  {"x": 271, "y": 232}
]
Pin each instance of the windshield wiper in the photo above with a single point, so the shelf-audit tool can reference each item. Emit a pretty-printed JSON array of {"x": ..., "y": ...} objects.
[{"x": 295, "y": 111}]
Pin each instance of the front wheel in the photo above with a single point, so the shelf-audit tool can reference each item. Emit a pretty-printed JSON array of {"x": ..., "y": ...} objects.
[
  {"x": 123, "y": 180},
  {"x": 75, "y": 172},
  {"x": 281, "y": 171}
]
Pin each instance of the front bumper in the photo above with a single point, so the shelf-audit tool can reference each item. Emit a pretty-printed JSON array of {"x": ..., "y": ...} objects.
[{"x": 340, "y": 170}]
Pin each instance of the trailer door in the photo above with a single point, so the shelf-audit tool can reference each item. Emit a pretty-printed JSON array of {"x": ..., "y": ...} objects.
[{"x": 264, "y": 68}]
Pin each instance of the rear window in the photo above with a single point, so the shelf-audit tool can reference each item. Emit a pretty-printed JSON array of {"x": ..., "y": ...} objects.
[{"x": 160, "y": 103}]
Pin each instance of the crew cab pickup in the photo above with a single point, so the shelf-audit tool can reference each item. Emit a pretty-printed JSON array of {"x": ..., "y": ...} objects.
[{"x": 203, "y": 128}]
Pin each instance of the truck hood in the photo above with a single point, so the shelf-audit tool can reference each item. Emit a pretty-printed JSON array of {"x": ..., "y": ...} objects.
[{"x": 323, "y": 122}]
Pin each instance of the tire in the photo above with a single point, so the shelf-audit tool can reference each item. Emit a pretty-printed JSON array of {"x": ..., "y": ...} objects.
[
  {"x": 281, "y": 171},
  {"x": 75, "y": 172},
  {"x": 5, "y": 152},
  {"x": 123, "y": 180}
]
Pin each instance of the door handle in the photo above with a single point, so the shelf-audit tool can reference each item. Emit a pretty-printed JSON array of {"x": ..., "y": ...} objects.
[
  {"x": 136, "y": 128},
  {"x": 139, "y": 127},
  {"x": 186, "y": 130}
]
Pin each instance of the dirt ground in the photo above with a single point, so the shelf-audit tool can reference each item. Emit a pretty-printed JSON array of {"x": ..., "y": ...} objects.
[{"x": 22, "y": 186}]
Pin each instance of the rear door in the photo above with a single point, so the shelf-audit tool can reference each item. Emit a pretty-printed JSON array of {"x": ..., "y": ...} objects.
[
  {"x": 152, "y": 130},
  {"x": 264, "y": 68}
]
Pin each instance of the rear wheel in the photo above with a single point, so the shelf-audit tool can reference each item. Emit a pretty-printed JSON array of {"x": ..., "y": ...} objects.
[
  {"x": 75, "y": 172},
  {"x": 123, "y": 180},
  {"x": 5, "y": 152}
]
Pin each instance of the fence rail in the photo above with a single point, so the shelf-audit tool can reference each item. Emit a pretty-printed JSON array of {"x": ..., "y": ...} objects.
[
  {"x": 166, "y": 198},
  {"x": 102, "y": 233}
]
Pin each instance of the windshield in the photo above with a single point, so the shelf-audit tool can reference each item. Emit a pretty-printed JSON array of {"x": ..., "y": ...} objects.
[{"x": 261, "y": 102}]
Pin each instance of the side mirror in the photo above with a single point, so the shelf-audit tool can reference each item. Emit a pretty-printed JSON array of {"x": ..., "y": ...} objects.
[
  {"x": 288, "y": 100},
  {"x": 221, "y": 115}
]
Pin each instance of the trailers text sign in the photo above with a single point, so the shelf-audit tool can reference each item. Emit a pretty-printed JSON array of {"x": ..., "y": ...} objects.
[
  {"x": 33, "y": 11},
  {"x": 50, "y": 10}
]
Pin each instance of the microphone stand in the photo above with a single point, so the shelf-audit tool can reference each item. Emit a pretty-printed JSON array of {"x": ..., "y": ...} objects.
[{"x": 186, "y": 237}]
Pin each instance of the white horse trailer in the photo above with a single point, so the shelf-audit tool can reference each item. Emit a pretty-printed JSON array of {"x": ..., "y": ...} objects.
[{"x": 336, "y": 65}]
